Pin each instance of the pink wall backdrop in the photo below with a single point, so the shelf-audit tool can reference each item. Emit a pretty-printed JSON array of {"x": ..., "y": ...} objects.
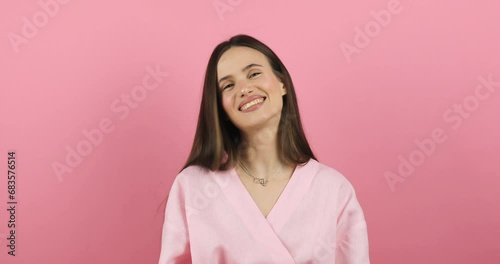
[{"x": 99, "y": 101}]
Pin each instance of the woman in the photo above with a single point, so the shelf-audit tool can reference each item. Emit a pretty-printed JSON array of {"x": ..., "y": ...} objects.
[{"x": 252, "y": 190}]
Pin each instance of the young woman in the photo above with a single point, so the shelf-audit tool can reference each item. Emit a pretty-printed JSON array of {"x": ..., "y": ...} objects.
[{"x": 252, "y": 190}]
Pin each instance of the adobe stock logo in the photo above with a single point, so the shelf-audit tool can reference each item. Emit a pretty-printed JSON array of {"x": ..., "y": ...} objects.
[
  {"x": 326, "y": 247},
  {"x": 372, "y": 29},
  {"x": 225, "y": 6},
  {"x": 203, "y": 197},
  {"x": 121, "y": 106},
  {"x": 427, "y": 146},
  {"x": 29, "y": 29}
]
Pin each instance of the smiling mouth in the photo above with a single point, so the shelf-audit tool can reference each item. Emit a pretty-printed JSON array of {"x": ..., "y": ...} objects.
[{"x": 252, "y": 103}]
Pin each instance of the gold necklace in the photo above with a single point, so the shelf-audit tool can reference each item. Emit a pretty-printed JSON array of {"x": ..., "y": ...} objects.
[{"x": 260, "y": 181}]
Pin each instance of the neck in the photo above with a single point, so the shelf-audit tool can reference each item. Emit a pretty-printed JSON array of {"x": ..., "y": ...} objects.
[{"x": 259, "y": 153}]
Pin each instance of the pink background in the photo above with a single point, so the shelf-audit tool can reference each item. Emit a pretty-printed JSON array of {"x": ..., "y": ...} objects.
[{"x": 362, "y": 112}]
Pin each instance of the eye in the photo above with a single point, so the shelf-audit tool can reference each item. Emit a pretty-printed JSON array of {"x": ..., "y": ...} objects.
[
  {"x": 254, "y": 73},
  {"x": 224, "y": 88}
]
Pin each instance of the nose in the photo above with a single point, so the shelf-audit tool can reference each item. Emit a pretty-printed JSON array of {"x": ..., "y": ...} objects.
[{"x": 245, "y": 87}]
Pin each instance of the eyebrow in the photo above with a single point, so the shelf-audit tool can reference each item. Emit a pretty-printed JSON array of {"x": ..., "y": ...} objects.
[{"x": 242, "y": 70}]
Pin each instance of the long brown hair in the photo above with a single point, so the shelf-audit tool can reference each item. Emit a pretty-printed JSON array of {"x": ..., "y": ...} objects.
[{"x": 217, "y": 140}]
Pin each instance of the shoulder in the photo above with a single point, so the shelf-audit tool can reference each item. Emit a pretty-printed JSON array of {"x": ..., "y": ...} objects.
[
  {"x": 328, "y": 176},
  {"x": 195, "y": 174},
  {"x": 193, "y": 170}
]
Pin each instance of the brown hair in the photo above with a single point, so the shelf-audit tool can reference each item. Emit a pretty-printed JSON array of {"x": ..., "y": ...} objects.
[{"x": 216, "y": 136}]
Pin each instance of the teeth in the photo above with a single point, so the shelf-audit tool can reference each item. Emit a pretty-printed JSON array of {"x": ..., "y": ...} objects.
[{"x": 254, "y": 102}]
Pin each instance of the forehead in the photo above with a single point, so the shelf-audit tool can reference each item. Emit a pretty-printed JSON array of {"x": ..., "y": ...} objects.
[{"x": 235, "y": 58}]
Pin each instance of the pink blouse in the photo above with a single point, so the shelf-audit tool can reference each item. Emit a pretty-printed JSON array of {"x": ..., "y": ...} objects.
[{"x": 211, "y": 218}]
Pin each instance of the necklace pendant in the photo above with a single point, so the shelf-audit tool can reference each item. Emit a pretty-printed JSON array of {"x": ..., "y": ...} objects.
[{"x": 263, "y": 182}]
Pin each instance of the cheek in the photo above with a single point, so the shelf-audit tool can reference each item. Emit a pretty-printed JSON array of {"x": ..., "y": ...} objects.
[
  {"x": 271, "y": 86},
  {"x": 227, "y": 103}
]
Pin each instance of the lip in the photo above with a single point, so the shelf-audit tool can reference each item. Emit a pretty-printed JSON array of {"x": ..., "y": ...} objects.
[{"x": 249, "y": 99}]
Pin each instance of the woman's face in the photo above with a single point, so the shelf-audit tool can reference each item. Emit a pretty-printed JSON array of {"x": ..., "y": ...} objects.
[{"x": 256, "y": 85}]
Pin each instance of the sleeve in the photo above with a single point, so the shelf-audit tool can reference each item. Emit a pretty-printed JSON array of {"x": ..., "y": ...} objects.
[
  {"x": 175, "y": 247},
  {"x": 352, "y": 234}
]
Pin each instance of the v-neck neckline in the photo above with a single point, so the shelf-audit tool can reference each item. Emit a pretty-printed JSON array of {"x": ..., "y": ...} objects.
[
  {"x": 284, "y": 192},
  {"x": 286, "y": 203},
  {"x": 266, "y": 230}
]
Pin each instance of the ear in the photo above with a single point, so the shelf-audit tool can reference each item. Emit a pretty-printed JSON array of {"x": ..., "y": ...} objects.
[{"x": 283, "y": 90}]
